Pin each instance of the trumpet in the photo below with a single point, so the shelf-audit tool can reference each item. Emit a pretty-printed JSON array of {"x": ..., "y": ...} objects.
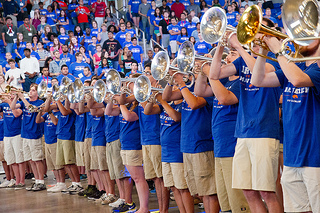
[
  {"x": 142, "y": 89},
  {"x": 9, "y": 89},
  {"x": 114, "y": 81}
]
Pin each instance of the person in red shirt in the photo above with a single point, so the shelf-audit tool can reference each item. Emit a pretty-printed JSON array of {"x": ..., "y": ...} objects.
[
  {"x": 178, "y": 8},
  {"x": 99, "y": 9},
  {"x": 83, "y": 13}
]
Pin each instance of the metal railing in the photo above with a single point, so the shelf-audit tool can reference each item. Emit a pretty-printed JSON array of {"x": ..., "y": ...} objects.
[{"x": 143, "y": 40}]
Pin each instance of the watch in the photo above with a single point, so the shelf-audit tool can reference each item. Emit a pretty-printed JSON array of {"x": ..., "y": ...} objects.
[{"x": 280, "y": 53}]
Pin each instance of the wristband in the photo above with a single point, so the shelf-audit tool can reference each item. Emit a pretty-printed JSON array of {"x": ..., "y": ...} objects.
[
  {"x": 183, "y": 87},
  {"x": 170, "y": 85}
]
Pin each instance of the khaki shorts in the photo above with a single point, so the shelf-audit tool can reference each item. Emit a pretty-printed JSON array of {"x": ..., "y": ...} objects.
[
  {"x": 13, "y": 149},
  {"x": 173, "y": 175},
  {"x": 98, "y": 158},
  {"x": 281, "y": 147},
  {"x": 116, "y": 168},
  {"x": 173, "y": 46},
  {"x": 152, "y": 161},
  {"x": 32, "y": 149},
  {"x": 87, "y": 153},
  {"x": 79, "y": 153},
  {"x": 255, "y": 164},
  {"x": 131, "y": 157},
  {"x": 51, "y": 152},
  {"x": 66, "y": 152},
  {"x": 2, "y": 151},
  {"x": 199, "y": 173},
  {"x": 301, "y": 189},
  {"x": 229, "y": 199}
]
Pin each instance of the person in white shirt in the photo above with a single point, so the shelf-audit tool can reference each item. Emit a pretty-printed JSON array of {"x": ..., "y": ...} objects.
[
  {"x": 14, "y": 76},
  {"x": 30, "y": 67}
]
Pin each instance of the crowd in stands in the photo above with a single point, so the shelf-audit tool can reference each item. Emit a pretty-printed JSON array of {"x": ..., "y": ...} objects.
[{"x": 86, "y": 33}]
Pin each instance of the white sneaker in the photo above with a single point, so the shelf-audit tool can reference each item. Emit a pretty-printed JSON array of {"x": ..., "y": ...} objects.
[
  {"x": 51, "y": 188},
  {"x": 103, "y": 196},
  {"x": 59, "y": 188},
  {"x": 5, "y": 184},
  {"x": 118, "y": 203},
  {"x": 12, "y": 183}
]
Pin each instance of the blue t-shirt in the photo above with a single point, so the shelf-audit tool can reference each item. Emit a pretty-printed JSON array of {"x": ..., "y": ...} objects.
[
  {"x": 301, "y": 119},
  {"x": 151, "y": 14},
  {"x": 65, "y": 127},
  {"x": 33, "y": 54},
  {"x": 127, "y": 44},
  {"x": 43, "y": 12},
  {"x": 63, "y": 38},
  {"x": 101, "y": 69},
  {"x": 196, "y": 133},
  {"x": 202, "y": 47},
  {"x": 21, "y": 48},
  {"x": 191, "y": 27},
  {"x": 1, "y": 128},
  {"x": 157, "y": 20},
  {"x": 76, "y": 69},
  {"x": 71, "y": 77},
  {"x": 64, "y": 20},
  {"x": 80, "y": 127},
  {"x": 136, "y": 51},
  {"x": 170, "y": 137},
  {"x": 231, "y": 17},
  {"x": 130, "y": 133},
  {"x": 12, "y": 125},
  {"x": 131, "y": 31},
  {"x": 94, "y": 32},
  {"x": 30, "y": 129},
  {"x": 50, "y": 129},
  {"x": 183, "y": 38},
  {"x": 224, "y": 123},
  {"x": 87, "y": 41},
  {"x": 89, "y": 125},
  {"x": 51, "y": 18},
  {"x": 182, "y": 23},
  {"x": 186, "y": 3},
  {"x": 134, "y": 5},
  {"x": 73, "y": 6},
  {"x": 149, "y": 128},
  {"x": 68, "y": 59},
  {"x": 98, "y": 129},
  {"x": 84, "y": 78},
  {"x": 46, "y": 79},
  {"x": 121, "y": 37},
  {"x": 92, "y": 49},
  {"x": 175, "y": 28},
  {"x": 112, "y": 130},
  {"x": 258, "y": 113}
]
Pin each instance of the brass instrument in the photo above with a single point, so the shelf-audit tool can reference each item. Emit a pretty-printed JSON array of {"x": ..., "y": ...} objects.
[
  {"x": 114, "y": 81},
  {"x": 9, "y": 89},
  {"x": 142, "y": 89}
]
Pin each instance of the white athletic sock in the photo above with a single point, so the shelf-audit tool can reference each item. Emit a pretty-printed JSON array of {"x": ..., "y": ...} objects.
[
  {"x": 73, "y": 183},
  {"x": 37, "y": 181},
  {"x": 79, "y": 184},
  {"x": 41, "y": 181}
]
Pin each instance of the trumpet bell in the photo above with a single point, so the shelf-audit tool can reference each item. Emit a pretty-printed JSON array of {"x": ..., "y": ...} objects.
[
  {"x": 56, "y": 94},
  {"x": 142, "y": 88},
  {"x": 301, "y": 19},
  {"x": 186, "y": 56},
  {"x": 113, "y": 81},
  {"x": 160, "y": 65},
  {"x": 42, "y": 89},
  {"x": 65, "y": 82},
  {"x": 99, "y": 91},
  {"x": 70, "y": 93},
  {"x": 78, "y": 90},
  {"x": 213, "y": 25}
]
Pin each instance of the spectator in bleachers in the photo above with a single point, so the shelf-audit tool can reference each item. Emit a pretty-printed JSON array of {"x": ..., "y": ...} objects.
[
  {"x": 235, "y": 24},
  {"x": 14, "y": 76},
  {"x": 172, "y": 14},
  {"x": 87, "y": 75},
  {"x": 11, "y": 9},
  {"x": 144, "y": 7},
  {"x": 45, "y": 36},
  {"x": 42, "y": 10},
  {"x": 231, "y": 15},
  {"x": 42, "y": 25},
  {"x": 19, "y": 46},
  {"x": 203, "y": 7},
  {"x": 133, "y": 10},
  {"x": 156, "y": 20},
  {"x": 121, "y": 35},
  {"x": 127, "y": 62},
  {"x": 33, "y": 54},
  {"x": 56, "y": 46},
  {"x": 86, "y": 57},
  {"x": 127, "y": 42},
  {"x": 74, "y": 45},
  {"x": 195, "y": 8},
  {"x": 183, "y": 36},
  {"x": 56, "y": 8},
  {"x": 194, "y": 18},
  {"x": 86, "y": 40},
  {"x": 137, "y": 51},
  {"x": 191, "y": 26},
  {"x": 112, "y": 29},
  {"x": 35, "y": 20},
  {"x": 30, "y": 68},
  {"x": 241, "y": 10},
  {"x": 110, "y": 19},
  {"x": 170, "y": 3},
  {"x": 78, "y": 33},
  {"x": 5, "y": 65},
  {"x": 103, "y": 34},
  {"x": 51, "y": 19},
  {"x": 92, "y": 47},
  {"x": 134, "y": 69},
  {"x": 193, "y": 40},
  {"x": 201, "y": 47},
  {"x": 123, "y": 56},
  {"x": 113, "y": 47},
  {"x": 164, "y": 7},
  {"x": 279, "y": 17},
  {"x": 76, "y": 68},
  {"x": 196, "y": 32},
  {"x": 174, "y": 30},
  {"x": 235, "y": 6},
  {"x": 70, "y": 35},
  {"x": 103, "y": 69},
  {"x": 22, "y": 10},
  {"x": 97, "y": 57},
  {"x": 63, "y": 20},
  {"x": 178, "y": 8},
  {"x": 66, "y": 57},
  {"x": 99, "y": 9},
  {"x": 150, "y": 16},
  {"x": 47, "y": 61},
  {"x": 9, "y": 34},
  {"x": 183, "y": 20},
  {"x": 163, "y": 29},
  {"x": 43, "y": 54},
  {"x": 95, "y": 30},
  {"x": 65, "y": 73},
  {"x": 267, "y": 4},
  {"x": 246, "y": 2},
  {"x": 186, "y": 3},
  {"x": 56, "y": 64},
  {"x": 63, "y": 37},
  {"x": 268, "y": 16},
  {"x": 45, "y": 77},
  {"x": 83, "y": 13},
  {"x": 129, "y": 29},
  {"x": 150, "y": 57},
  {"x": 71, "y": 12}
]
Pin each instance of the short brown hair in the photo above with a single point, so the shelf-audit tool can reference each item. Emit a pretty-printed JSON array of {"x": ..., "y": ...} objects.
[
  {"x": 11, "y": 60},
  {"x": 34, "y": 85}
]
